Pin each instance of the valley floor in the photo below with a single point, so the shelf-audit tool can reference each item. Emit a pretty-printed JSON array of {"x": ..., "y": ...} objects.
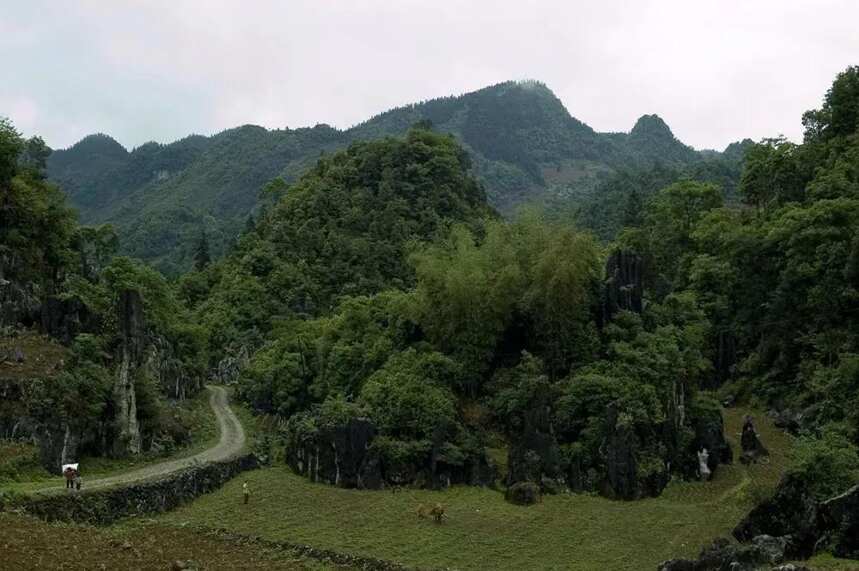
[{"x": 485, "y": 532}]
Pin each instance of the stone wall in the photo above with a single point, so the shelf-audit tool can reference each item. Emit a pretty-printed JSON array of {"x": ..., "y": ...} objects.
[{"x": 103, "y": 507}]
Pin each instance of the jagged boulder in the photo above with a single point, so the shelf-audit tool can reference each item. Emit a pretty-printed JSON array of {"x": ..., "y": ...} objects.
[
  {"x": 58, "y": 444},
  {"x": 63, "y": 319},
  {"x": 626, "y": 476},
  {"x": 763, "y": 552},
  {"x": 19, "y": 303},
  {"x": 710, "y": 435},
  {"x": 534, "y": 456},
  {"x": 787, "y": 419},
  {"x": 839, "y": 517},
  {"x": 791, "y": 513},
  {"x": 523, "y": 493},
  {"x": 229, "y": 368}
]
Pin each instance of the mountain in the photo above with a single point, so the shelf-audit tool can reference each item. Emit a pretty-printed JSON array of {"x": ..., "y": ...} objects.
[{"x": 524, "y": 145}]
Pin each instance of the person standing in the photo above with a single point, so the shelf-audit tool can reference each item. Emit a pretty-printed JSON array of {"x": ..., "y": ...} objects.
[
  {"x": 78, "y": 480},
  {"x": 69, "y": 475},
  {"x": 246, "y": 492}
]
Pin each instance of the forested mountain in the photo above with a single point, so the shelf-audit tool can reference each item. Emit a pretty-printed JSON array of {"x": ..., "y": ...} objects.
[
  {"x": 122, "y": 343},
  {"x": 524, "y": 145}
]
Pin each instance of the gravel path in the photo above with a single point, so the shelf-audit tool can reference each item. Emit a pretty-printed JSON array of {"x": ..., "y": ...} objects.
[{"x": 230, "y": 444}]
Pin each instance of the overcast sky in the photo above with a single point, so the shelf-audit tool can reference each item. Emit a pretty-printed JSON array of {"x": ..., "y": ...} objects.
[{"x": 716, "y": 71}]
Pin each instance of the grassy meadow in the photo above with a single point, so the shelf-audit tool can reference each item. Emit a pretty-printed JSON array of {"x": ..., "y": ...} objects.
[{"x": 485, "y": 532}]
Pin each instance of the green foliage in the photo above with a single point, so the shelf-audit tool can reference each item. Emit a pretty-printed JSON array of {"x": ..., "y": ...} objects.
[
  {"x": 839, "y": 115},
  {"x": 665, "y": 237},
  {"x": 527, "y": 273},
  {"x": 773, "y": 173},
  {"x": 342, "y": 230},
  {"x": 827, "y": 462},
  {"x": 79, "y": 394},
  {"x": 408, "y": 397},
  {"x": 516, "y": 391},
  {"x": 201, "y": 254},
  {"x": 523, "y": 144},
  {"x": 778, "y": 281},
  {"x": 36, "y": 227}
]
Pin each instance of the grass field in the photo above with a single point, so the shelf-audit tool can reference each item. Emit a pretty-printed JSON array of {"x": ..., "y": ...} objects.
[{"x": 485, "y": 532}]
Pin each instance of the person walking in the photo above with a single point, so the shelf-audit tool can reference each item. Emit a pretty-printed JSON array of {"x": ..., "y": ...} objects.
[{"x": 246, "y": 492}]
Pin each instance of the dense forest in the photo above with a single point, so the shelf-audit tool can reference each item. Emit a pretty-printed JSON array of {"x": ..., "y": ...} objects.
[
  {"x": 466, "y": 330},
  {"x": 129, "y": 346},
  {"x": 524, "y": 145},
  {"x": 397, "y": 330}
]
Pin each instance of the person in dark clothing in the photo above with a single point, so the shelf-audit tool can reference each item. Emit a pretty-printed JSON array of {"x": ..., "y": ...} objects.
[{"x": 69, "y": 474}]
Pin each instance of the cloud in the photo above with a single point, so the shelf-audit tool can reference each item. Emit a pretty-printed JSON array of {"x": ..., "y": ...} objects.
[{"x": 716, "y": 72}]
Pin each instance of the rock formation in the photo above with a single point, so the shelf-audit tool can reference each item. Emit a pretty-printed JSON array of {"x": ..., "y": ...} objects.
[
  {"x": 763, "y": 552},
  {"x": 791, "y": 513},
  {"x": 131, "y": 350},
  {"x": 344, "y": 456},
  {"x": 839, "y": 516},
  {"x": 624, "y": 283},
  {"x": 534, "y": 455},
  {"x": 58, "y": 444}
]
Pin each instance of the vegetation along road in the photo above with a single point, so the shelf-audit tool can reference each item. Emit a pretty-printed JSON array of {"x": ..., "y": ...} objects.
[{"x": 230, "y": 443}]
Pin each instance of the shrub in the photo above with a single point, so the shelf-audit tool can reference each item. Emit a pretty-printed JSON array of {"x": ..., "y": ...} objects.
[{"x": 827, "y": 462}]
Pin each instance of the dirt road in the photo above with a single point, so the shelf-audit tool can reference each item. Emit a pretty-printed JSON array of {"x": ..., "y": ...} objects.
[{"x": 231, "y": 442}]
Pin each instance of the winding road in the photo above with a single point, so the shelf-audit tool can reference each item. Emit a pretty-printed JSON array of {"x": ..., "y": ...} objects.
[{"x": 230, "y": 444}]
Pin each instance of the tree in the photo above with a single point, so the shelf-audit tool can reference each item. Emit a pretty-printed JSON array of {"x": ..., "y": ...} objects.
[
  {"x": 201, "y": 253},
  {"x": 839, "y": 115}
]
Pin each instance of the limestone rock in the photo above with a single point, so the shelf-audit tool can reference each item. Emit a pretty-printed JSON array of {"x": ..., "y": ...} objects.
[
  {"x": 840, "y": 516},
  {"x": 791, "y": 513},
  {"x": 58, "y": 444},
  {"x": 132, "y": 330},
  {"x": 523, "y": 493},
  {"x": 624, "y": 283},
  {"x": 723, "y": 555}
]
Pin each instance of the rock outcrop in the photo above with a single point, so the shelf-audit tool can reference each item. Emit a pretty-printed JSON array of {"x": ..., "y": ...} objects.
[
  {"x": 762, "y": 553},
  {"x": 131, "y": 350},
  {"x": 624, "y": 286},
  {"x": 19, "y": 302},
  {"x": 534, "y": 455},
  {"x": 805, "y": 524},
  {"x": 839, "y": 518},
  {"x": 710, "y": 435},
  {"x": 345, "y": 455},
  {"x": 523, "y": 494},
  {"x": 58, "y": 444},
  {"x": 63, "y": 319}
]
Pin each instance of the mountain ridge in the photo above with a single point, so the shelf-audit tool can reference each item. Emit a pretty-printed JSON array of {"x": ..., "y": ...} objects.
[{"x": 524, "y": 144}]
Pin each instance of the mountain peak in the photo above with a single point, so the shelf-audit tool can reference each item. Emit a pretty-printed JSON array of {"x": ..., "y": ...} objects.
[
  {"x": 651, "y": 126},
  {"x": 99, "y": 143}
]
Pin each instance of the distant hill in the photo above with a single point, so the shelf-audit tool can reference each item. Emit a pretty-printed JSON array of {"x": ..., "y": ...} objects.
[{"x": 524, "y": 145}]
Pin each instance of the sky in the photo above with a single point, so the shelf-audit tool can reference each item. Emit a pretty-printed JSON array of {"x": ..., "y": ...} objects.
[{"x": 716, "y": 71}]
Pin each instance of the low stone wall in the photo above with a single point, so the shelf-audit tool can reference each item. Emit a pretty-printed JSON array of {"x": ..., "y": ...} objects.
[{"x": 103, "y": 507}]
